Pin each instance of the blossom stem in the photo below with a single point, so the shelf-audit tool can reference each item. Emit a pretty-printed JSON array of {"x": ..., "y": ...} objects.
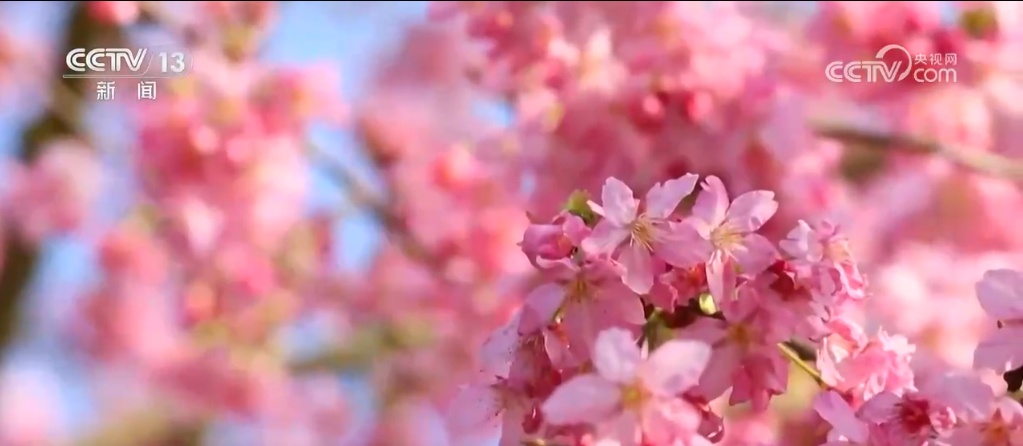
[
  {"x": 793, "y": 356},
  {"x": 539, "y": 442}
]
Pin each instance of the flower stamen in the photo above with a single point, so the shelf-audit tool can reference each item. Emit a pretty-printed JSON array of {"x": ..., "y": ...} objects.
[
  {"x": 634, "y": 396},
  {"x": 725, "y": 237},
  {"x": 741, "y": 334},
  {"x": 643, "y": 232},
  {"x": 577, "y": 290},
  {"x": 997, "y": 431}
]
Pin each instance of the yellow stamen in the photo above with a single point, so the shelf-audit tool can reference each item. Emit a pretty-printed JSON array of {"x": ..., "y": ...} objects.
[
  {"x": 837, "y": 251},
  {"x": 643, "y": 232},
  {"x": 634, "y": 395},
  {"x": 577, "y": 290},
  {"x": 725, "y": 237}
]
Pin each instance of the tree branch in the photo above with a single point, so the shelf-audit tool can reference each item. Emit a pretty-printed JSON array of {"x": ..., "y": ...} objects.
[
  {"x": 795, "y": 358},
  {"x": 540, "y": 442},
  {"x": 981, "y": 162},
  {"x": 61, "y": 120},
  {"x": 152, "y": 427}
]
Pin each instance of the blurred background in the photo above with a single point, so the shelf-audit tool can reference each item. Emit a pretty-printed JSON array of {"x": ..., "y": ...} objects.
[
  {"x": 304, "y": 238},
  {"x": 347, "y": 41}
]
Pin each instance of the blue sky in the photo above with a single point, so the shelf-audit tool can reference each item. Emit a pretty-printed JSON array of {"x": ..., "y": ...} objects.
[{"x": 341, "y": 34}]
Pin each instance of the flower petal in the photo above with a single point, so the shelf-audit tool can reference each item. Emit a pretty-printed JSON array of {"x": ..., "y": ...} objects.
[
  {"x": 754, "y": 254},
  {"x": 837, "y": 412},
  {"x": 711, "y": 205},
  {"x": 881, "y": 408},
  {"x": 681, "y": 246},
  {"x": 637, "y": 266},
  {"x": 720, "y": 371},
  {"x": 618, "y": 203},
  {"x": 622, "y": 430},
  {"x": 498, "y": 350},
  {"x": 1001, "y": 351},
  {"x": 798, "y": 244},
  {"x": 675, "y": 367},
  {"x": 473, "y": 408},
  {"x": 616, "y": 356},
  {"x": 1000, "y": 293},
  {"x": 751, "y": 210},
  {"x": 583, "y": 399},
  {"x": 721, "y": 277},
  {"x": 965, "y": 393},
  {"x": 512, "y": 432},
  {"x": 540, "y": 306},
  {"x": 663, "y": 198},
  {"x": 606, "y": 236}
]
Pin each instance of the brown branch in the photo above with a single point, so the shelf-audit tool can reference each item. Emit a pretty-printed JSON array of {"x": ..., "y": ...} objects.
[
  {"x": 151, "y": 427},
  {"x": 981, "y": 162},
  {"x": 803, "y": 351},
  {"x": 63, "y": 119},
  {"x": 540, "y": 442},
  {"x": 60, "y": 121}
]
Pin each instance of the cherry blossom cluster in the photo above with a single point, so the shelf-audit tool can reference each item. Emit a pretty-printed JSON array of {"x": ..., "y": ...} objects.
[
  {"x": 653, "y": 309},
  {"x": 653, "y": 246}
]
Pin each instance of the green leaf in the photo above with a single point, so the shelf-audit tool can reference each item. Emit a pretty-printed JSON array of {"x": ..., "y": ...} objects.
[
  {"x": 578, "y": 205},
  {"x": 656, "y": 331}
]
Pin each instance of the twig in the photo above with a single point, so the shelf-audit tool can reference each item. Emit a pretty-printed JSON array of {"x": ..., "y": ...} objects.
[
  {"x": 793, "y": 357},
  {"x": 154, "y": 427},
  {"x": 805, "y": 352},
  {"x": 361, "y": 194},
  {"x": 981, "y": 162},
  {"x": 540, "y": 442}
]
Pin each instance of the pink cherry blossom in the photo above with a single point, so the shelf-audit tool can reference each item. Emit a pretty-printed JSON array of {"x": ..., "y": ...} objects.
[
  {"x": 251, "y": 241},
  {"x": 846, "y": 426},
  {"x": 554, "y": 241},
  {"x": 587, "y": 302},
  {"x": 482, "y": 408},
  {"x": 647, "y": 234},
  {"x": 910, "y": 419},
  {"x": 1000, "y": 293},
  {"x": 728, "y": 229},
  {"x": 55, "y": 194},
  {"x": 745, "y": 351},
  {"x": 824, "y": 252},
  {"x": 864, "y": 366},
  {"x": 628, "y": 389},
  {"x": 917, "y": 417},
  {"x": 1002, "y": 425}
]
